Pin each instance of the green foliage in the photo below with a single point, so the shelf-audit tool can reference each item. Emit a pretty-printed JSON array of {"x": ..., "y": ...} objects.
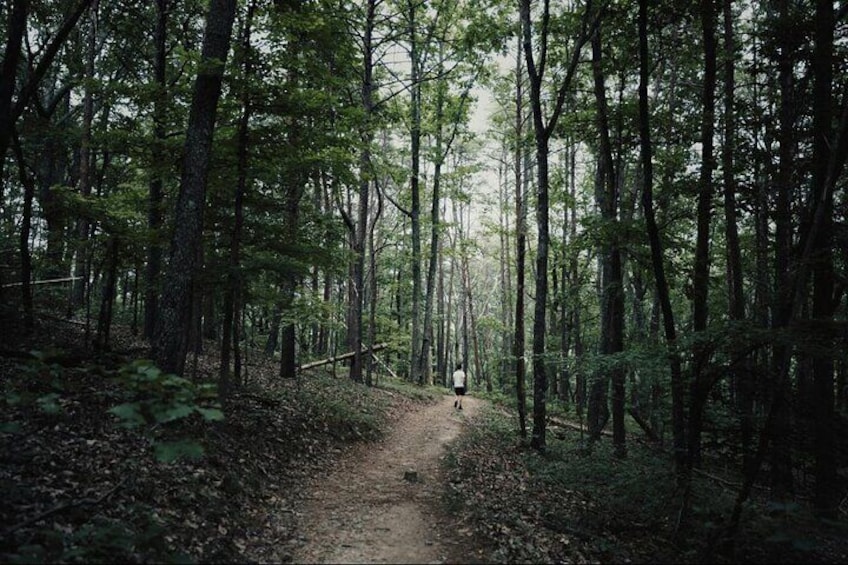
[
  {"x": 40, "y": 387},
  {"x": 156, "y": 398},
  {"x": 411, "y": 390}
]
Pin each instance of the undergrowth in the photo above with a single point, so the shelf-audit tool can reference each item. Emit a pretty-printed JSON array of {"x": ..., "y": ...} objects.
[
  {"x": 118, "y": 462},
  {"x": 573, "y": 504}
]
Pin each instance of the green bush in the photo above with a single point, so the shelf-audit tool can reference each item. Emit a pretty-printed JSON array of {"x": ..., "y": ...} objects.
[{"x": 155, "y": 398}]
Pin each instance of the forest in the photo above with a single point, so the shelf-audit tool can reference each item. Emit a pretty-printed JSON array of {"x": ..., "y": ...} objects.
[{"x": 240, "y": 238}]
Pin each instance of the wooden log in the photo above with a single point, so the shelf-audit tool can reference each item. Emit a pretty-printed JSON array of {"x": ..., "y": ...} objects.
[
  {"x": 385, "y": 366},
  {"x": 322, "y": 362},
  {"x": 48, "y": 281}
]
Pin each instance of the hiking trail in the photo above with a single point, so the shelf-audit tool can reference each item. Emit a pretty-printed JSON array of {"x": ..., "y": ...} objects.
[{"x": 382, "y": 503}]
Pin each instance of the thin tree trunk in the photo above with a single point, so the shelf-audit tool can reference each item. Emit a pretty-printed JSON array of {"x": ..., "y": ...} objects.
[
  {"x": 825, "y": 148},
  {"x": 663, "y": 295},
  {"x": 415, "y": 209},
  {"x": 156, "y": 190},
  {"x": 26, "y": 229},
  {"x": 700, "y": 278},
  {"x": 741, "y": 380},
  {"x": 612, "y": 297},
  {"x": 234, "y": 278},
  {"x": 15, "y": 31},
  {"x": 107, "y": 299},
  {"x": 520, "y": 247},
  {"x": 86, "y": 173}
]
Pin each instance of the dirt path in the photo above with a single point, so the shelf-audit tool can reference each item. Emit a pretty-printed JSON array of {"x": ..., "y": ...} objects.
[{"x": 368, "y": 511}]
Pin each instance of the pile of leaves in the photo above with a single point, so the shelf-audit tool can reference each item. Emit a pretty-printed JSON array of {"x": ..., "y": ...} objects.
[
  {"x": 105, "y": 458},
  {"x": 577, "y": 505}
]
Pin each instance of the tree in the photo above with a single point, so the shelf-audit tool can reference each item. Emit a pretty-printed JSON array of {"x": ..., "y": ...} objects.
[
  {"x": 174, "y": 320},
  {"x": 612, "y": 299},
  {"x": 543, "y": 129}
]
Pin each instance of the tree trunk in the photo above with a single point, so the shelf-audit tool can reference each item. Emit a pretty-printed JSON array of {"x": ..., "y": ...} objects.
[
  {"x": 781, "y": 453},
  {"x": 233, "y": 289},
  {"x": 26, "y": 229},
  {"x": 520, "y": 247},
  {"x": 542, "y": 135},
  {"x": 360, "y": 231},
  {"x": 415, "y": 209},
  {"x": 86, "y": 173},
  {"x": 156, "y": 191},
  {"x": 700, "y": 276},
  {"x": 174, "y": 318},
  {"x": 741, "y": 381},
  {"x": 663, "y": 295},
  {"x": 612, "y": 296},
  {"x": 424, "y": 359},
  {"x": 825, "y": 147},
  {"x": 17, "y": 27},
  {"x": 107, "y": 298}
]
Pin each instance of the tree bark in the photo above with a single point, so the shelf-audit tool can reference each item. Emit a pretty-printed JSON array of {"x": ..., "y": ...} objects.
[
  {"x": 700, "y": 384},
  {"x": 542, "y": 134},
  {"x": 86, "y": 173},
  {"x": 233, "y": 291},
  {"x": 663, "y": 295},
  {"x": 825, "y": 147},
  {"x": 15, "y": 31},
  {"x": 156, "y": 191},
  {"x": 518, "y": 344},
  {"x": 174, "y": 318},
  {"x": 612, "y": 296},
  {"x": 414, "y": 183},
  {"x": 360, "y": 231}
]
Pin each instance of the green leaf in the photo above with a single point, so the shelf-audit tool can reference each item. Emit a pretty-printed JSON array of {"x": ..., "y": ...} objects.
[
  {"x": 170, "y": 451},
  {"x": 48, "y": 404},
  {"x": 211, "y": 414},
  {"x": 129, "y": 413},
  {"x": 10, "y": 427},
  {"x": 173, "y": 413}
]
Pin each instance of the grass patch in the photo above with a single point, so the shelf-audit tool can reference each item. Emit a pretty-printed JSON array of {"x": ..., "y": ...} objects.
[{"x": 426, "y": 394}]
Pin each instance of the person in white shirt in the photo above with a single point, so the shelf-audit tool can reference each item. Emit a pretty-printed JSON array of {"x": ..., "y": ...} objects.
[{"x": 459, "y": 379}]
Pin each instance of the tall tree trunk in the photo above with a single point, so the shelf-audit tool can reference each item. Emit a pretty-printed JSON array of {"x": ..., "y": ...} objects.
[
  {"x": 415, "y": 208},
  {"x": 825, "y": 148},
  {"x": 520, "y": 245},
  {"x": 26, "y": 229},
  {"x": 360, "y": 231},
  {"x": 233, "y": 291},
  {"x": 15, "y": 30},
  {"x": 542, "y": 134},
  {"x": 612, "y": 295},
  {"x": 700, "y": 277},
  {"x": 173, "y": 323},
  {"x": 663, "y": 295},
  {"x": 373, "y": 290},
  {"x": 781, "y": 453},
  {"x": 424, "y": 360},
  {"x": 86, "y": 172},
  {"x": 156, "y": 190},
  {"x": 741, "y": 381}
]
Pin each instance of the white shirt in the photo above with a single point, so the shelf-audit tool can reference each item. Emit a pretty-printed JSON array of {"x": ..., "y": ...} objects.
[{"x": 459, "y": 378}]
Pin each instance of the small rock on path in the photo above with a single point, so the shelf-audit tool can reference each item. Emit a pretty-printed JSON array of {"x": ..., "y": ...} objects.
[{"x": 372, "y": 509}]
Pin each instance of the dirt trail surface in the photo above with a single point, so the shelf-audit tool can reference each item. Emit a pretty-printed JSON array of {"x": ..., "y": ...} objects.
[{"x": 372, "y": 509}]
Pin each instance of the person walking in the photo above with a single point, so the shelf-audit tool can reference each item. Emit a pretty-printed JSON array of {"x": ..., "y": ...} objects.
[{"x": 459, "y": 381}]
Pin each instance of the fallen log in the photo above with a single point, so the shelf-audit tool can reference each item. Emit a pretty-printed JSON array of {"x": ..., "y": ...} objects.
[{"x": 322, "y": 362}]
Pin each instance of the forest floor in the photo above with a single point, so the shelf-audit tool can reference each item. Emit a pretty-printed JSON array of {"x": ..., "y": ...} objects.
[{"x": 321, "y": 469}]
